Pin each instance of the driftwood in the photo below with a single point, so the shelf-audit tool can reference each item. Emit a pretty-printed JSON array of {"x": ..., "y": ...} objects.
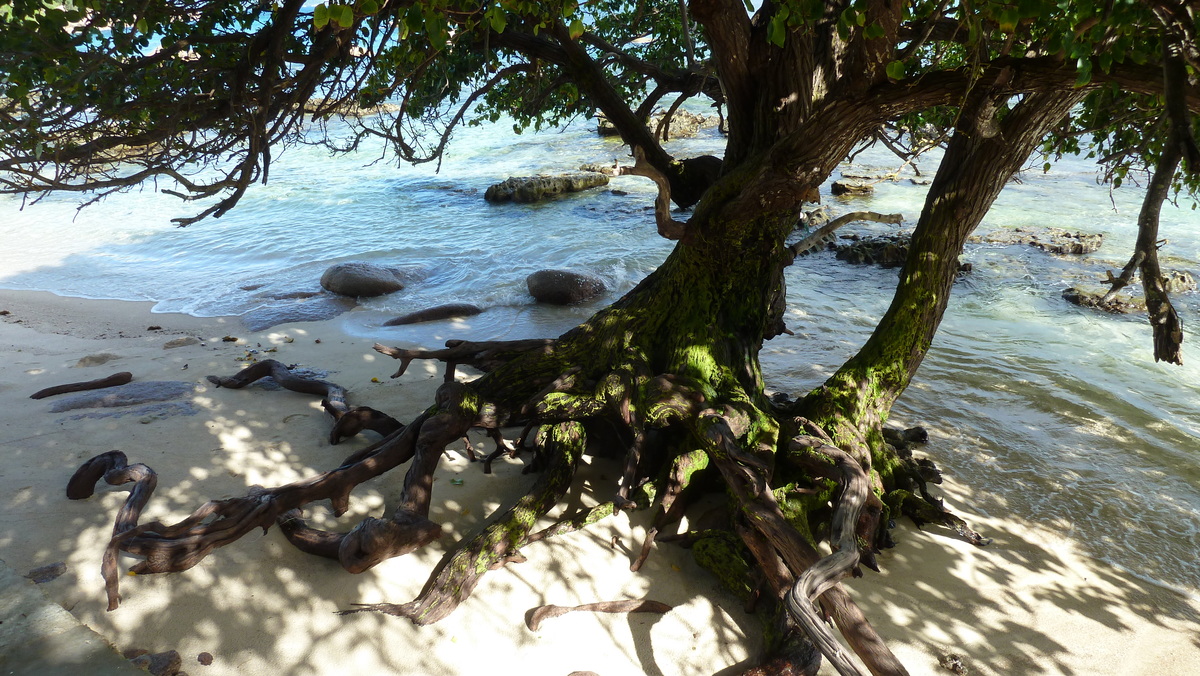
[
  {"x": 100, "y": 383},
  {"x": 535, "y": 617},
  {"x": 347, "y": 421}
]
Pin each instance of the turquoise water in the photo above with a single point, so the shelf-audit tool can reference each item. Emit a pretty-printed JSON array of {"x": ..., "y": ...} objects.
[{"x": 1047, "y": 411}]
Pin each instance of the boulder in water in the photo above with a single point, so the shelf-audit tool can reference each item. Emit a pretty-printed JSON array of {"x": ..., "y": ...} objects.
[
  {"x": 361, "y": 279},
  {"x": 448, "y": 311},
  {"x": 563, "y": 287},
  {"x": 536, "y": 188}
]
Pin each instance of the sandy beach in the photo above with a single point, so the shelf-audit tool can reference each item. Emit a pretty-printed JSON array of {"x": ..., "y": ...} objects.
[{"x": 1026, "y": 604}]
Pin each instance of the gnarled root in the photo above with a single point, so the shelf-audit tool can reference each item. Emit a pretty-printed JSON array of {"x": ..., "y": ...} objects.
[
  {"x": 347, "y": 421},
  {"x": 174, "y": 548},
  {"x": 485, "y": 356},
  {"x": 457, "y": 574},
  {"x": 113, "y": 467},
  {"x": 818, "y": 575}
]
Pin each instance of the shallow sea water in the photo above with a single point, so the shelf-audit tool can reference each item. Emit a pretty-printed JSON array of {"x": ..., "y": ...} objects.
[{"x": 1046, "y": 411}]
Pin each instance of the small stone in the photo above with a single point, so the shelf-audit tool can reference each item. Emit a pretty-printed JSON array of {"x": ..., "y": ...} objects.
[
  {"x": 160, "y": 664},
  {"x": 229, "y": 339},
  {"x": 154, "y": 327},
  {"x": 181, "y": 342},
  {"x": 205, "y": 658},
  {"x": 96, "y": 359},
  {"x": 130, "y": 653},
  {"x": 47, "y": 573}
]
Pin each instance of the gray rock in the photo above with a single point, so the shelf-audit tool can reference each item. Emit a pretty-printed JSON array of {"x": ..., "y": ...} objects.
[
  {"x": 361, "y": 279},
  {"x": 535, "y": 188},
  {"x": 96, "y": 359},
  {"x": 302, "y": 310},
  {"x": 435, "y": 313},
  {"x": 563, "y": 287},
  {"x": 181, "y": 342},
  {"x": 132, "y": 394},
  {"x": 160, "y": 664},
  {"x": 44, "y": 574},
  {"x": 146, "y": 414}
]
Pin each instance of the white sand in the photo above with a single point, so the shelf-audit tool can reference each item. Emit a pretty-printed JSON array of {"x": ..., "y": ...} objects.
[{"x": 1028, "y": 604}]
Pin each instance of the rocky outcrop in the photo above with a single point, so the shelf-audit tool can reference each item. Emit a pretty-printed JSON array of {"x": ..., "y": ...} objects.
[
  {"x": 1094, "y": 299},
  {"x": 448, "y": 311},
  {"x": 1050, "y": 240},
  {"x": 535, "y": 188},
  {"x": 359, "y": 279},
  {"x": 132, "y": 394},
  {"x": 563, "y": 287}
]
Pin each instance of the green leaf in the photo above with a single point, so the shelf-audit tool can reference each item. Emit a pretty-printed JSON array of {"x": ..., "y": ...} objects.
[
  {"x": 496, "y": 18},
  {"x": 343, "y": 15},
  {"x": 321, "y": 16},
  {"x": 142, "y": 26},
  {"x": 576, "y": 28},
  {"x": 777, "y": 30},
  {"x": 369, "y": 7},
  {"x": 1084, "y": 72},
  {"x": 874, "y": 31},
  {"x": 895, "y": 70}
]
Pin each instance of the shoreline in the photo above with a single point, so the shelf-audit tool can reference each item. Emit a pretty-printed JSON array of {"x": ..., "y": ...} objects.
[{"x": 1029, "y": 603}]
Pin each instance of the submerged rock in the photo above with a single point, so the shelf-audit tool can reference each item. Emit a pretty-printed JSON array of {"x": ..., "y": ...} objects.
[
  {"x": 304, "y": 309},
  {"x": 563, "y": 287},
  {"x": 535, "y": 188},
  {"x": 1050, "y": 240},
  {"x": 447, "y": 311},
  {"x": 361, "y": 279}
]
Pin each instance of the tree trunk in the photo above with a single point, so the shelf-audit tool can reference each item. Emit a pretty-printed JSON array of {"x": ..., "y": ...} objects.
[{"x": 982, "y": 155}]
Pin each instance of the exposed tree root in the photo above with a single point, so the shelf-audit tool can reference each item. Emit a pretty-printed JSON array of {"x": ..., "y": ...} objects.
[
  {"x": 703, "y": 422},
  {"x": 347, "y": 421},
  {"x": 485, "y": 356},
  {"x": 100, "y": 383},
  {"x": 535, "y": 616}
]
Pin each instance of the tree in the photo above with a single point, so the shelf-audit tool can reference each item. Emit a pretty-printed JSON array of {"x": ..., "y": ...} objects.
[{"x": 202, "y": 93}]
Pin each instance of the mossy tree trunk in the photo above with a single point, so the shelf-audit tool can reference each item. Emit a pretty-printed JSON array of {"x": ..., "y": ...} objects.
[{"x": 984, "y": 153}]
